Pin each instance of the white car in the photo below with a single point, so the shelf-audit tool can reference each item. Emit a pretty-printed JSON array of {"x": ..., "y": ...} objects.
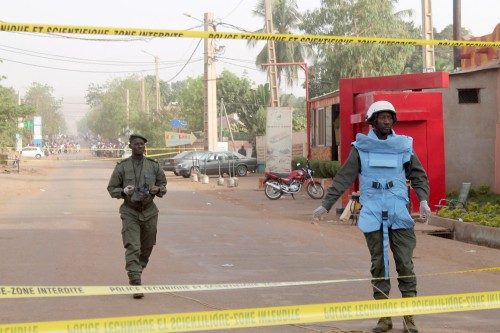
[{"x": 35, "y": 152}]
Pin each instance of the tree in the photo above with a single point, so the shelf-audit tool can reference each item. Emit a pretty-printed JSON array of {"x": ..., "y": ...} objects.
[
  {"x": 181, "y": 100},
  {"x": 298, "y": 106},
  {"x": 370, "y": 18},
  {"x": 10, "y": 111},
  {"x": 443, "y": 55},
  {"x": 190, "y": 100},
  {"x": 108, "y": 114},
  {"x": 286, "y": 19},
  {"x": 41, "y": 98},
  {"x": 249, "y": 104}
]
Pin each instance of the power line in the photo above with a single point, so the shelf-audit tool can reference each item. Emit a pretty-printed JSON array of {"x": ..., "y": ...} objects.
[
  {"x": 43, "y": 35},
  {"x": 236, "y": 59},
  {"x": 70, "y": 61},
  {"x": 233, "y": 26},
  {"x": 84, "y": 60},
  {"x": 90, "y": 71},
  {"x": 232, "y": 10},
  {"x": 196, "y": 48},
  {"x": 237, "y": 65}
]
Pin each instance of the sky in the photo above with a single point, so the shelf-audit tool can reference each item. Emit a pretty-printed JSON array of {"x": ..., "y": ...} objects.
[{"x": 25, "y": 55}]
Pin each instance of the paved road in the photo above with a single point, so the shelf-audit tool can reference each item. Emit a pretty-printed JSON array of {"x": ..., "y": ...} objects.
[{"x": 58, "y": 226}]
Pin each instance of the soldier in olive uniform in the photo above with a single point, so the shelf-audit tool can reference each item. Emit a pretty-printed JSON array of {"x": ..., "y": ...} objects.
[{"x": 137, "y": 180}]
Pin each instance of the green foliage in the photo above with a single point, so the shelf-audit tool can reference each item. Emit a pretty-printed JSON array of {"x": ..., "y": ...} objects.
[
  {"x": 483, "y": 208},
  {"x": 483, "y": 190},
  {"x": 298, "y": 160},
  {"x": 321, "y": 169},
  {"x": 190, "y": 100},
  {"x": 181, "y": 100},
  {"x": 248, "y": 103},
  {"x": 298, "y": 104},
  {"x": 41, "y": 98},
  {"x": 286, "y": 20},
  {"x": 443, "y": 55},
  {"x": 9, "y": 112},
  {"x": 451, "y": 213},
  {"x": 108, "y": 103},
  {"x": 370, "y": 18}
]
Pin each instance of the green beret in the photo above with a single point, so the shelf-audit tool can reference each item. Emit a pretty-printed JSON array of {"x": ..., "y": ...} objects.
[{"x": 137, "y": 136}]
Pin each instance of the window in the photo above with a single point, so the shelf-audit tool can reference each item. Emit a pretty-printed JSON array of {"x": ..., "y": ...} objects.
[
  {"x": 320, "y": 127},
  {"x": 468, "y": 96}
]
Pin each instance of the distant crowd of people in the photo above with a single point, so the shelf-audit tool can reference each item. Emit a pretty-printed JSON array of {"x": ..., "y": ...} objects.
[
  {"x": 67, "y": 144},
  {"x": 100, "y": 147},
  {"x": 63, "y": 144}
]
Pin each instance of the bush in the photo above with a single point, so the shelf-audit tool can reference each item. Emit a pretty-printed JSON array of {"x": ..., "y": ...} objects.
[
  {"x": 483, "y": 208},
  {"x": 483, "y": 190},
  {"x": 322, "y": 169},
  {"x": 301, "y": 160}
]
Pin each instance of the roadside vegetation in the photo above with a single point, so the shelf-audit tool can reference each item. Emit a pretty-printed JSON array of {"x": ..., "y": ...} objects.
[
  {"x": 483, "y": 207},
  {"x": 321, "y": 169}
]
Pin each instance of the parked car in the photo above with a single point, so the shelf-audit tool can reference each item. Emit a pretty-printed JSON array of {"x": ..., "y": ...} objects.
[
  {"x": 35, "y": 152},
  {"x": 213, "y": 163},
  {"x": 170, "y": 163}
]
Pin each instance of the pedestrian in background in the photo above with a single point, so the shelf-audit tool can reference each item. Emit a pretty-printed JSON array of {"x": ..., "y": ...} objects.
[
  {"x": 384, "y": 161},
  {"x": 242, "y": 151},
  {"x": 137, "y": 180}
]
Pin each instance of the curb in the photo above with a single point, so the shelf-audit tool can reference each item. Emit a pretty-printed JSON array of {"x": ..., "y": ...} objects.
[{"x": 469, "y": 232}]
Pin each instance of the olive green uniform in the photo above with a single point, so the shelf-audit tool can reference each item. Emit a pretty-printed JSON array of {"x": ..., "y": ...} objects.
[
  {"x": 401, "y": 241},
  {"x": 139, "y": 220}
]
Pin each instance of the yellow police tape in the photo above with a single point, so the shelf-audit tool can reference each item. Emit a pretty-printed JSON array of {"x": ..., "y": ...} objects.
[
  {"x": 269, "y": 316},
  {"x": 63, "y": 291},
  {"x": 139, "y": 32}
]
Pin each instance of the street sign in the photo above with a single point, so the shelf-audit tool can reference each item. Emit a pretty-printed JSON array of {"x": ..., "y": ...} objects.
[
  {"x": 28, "y": 124},
  {"x": 173, "y": 139},
  {"x": 178, "y": 123}
]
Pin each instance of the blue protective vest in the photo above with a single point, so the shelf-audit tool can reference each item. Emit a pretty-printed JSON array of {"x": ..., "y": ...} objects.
[{"x": 382, "y": 182}]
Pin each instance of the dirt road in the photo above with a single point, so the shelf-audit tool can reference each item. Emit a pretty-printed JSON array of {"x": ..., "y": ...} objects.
[{"x": 58, "y": 226}]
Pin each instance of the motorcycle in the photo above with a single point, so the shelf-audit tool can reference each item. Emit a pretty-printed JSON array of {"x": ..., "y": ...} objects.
[{"x": 278, "y": 184}]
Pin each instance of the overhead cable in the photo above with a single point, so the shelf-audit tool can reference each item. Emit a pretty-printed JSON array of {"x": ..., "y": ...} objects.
[
  {"x": 91, "y": 71},
  {"x": 196, "y": 48},
  {"x": 91, "y": 61}
]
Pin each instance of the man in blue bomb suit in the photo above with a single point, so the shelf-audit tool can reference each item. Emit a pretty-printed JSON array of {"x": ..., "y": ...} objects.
[{"x": 384, "y": 161}]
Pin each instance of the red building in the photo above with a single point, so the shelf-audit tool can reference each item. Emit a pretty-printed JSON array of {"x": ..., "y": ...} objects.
[{"x": 335, "y": 119}]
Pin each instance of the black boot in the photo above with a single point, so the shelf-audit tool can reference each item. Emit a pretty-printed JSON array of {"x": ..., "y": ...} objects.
[
  {"x": 409, "y": 325},
  {"x": 136, "y": 282},
  {"x": 383, "y": 325}
]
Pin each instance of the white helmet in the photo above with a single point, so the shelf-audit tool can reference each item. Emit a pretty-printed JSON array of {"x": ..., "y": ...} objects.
[{"x": 378, "y": 107}]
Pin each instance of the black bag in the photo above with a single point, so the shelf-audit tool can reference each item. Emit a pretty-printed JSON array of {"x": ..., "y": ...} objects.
[{"x": 140, "y": 194}]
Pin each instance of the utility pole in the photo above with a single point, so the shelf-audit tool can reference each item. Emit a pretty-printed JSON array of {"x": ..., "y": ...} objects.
[
  {"x": 128, "y": 111},
  {"x": 428, "y": 50},
  {"x": 143, "y": 96},
  {"x": 223, "y": 106},
  {"x": 272, "y": 71},
  {"x": 209, "y": 89},
  {"x": 20, "y": 124},
  {"x": 457, "y": 32},
  {"x": 157, "y": 85}
]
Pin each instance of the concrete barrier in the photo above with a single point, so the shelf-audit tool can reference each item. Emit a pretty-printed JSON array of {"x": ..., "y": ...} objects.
[{"x": 469, "y": 232}]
